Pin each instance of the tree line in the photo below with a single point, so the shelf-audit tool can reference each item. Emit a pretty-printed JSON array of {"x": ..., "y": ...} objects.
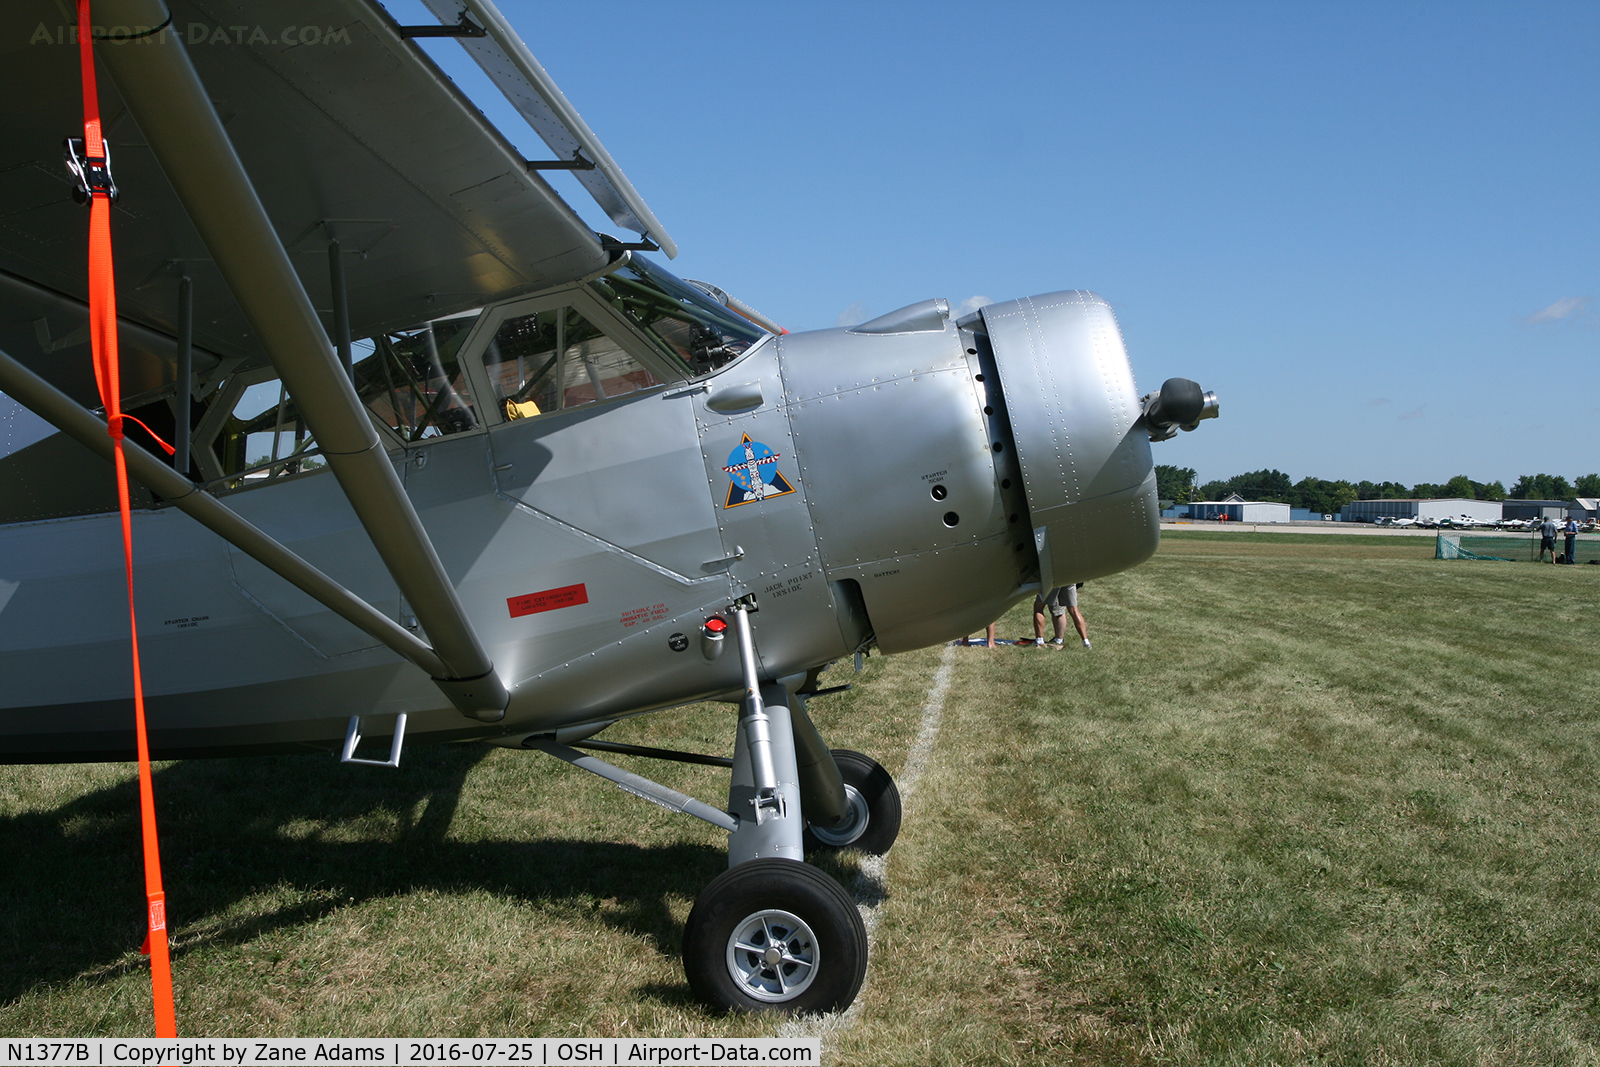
[{"x": 1181, "y": 484}]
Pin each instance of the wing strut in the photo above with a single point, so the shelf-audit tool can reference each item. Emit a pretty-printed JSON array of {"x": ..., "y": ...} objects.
[
  {"x": 170, "y": 103},
  {"x": 508, "y": 63}
]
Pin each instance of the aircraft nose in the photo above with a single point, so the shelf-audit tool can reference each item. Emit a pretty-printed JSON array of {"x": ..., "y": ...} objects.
[{"x": 1082, "y": 450}]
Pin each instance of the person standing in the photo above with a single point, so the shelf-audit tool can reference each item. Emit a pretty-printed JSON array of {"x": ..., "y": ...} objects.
[
  {"x": 1570, "y": 528},
  {"x": 1547, "y": 539},
  {"x": 1059, "y": 602}
]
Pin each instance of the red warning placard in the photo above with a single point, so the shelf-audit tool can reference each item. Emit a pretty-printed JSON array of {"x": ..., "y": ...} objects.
[{"x": 549, "y": 600}]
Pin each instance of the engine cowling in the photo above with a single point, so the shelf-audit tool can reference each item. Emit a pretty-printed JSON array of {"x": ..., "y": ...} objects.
[
  {"x": 953, "y": 469},
  {"x": 1075, "y": 423}
]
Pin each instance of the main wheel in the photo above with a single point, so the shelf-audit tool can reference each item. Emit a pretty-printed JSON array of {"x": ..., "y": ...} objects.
[
  {"x": 775, "y": 935},
  {"x": 873, "y": 821}
]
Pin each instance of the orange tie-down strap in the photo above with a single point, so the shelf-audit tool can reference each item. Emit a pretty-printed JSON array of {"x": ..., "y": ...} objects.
[{"x": 94, "y": 176}]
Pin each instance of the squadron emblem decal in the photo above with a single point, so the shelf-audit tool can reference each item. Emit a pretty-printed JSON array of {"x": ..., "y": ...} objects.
[{"x": 753, "y": 473}]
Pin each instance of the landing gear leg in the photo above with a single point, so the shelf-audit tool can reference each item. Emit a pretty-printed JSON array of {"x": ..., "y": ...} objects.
[
  {"x": 765, "y": 793},
  {"x": 770, "y": 933}
]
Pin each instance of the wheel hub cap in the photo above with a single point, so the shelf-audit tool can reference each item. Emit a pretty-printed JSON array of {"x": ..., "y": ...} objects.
[
  {"x": 855, "y": 821},
  {"x": 772, "y": 955}
]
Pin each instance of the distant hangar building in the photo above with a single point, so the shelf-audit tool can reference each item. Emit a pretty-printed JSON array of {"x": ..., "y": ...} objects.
[
  {"x": 1535, "y": 509},
  {"x": 1234, "y": 508},
  {"x": 1448, "y": 507}
]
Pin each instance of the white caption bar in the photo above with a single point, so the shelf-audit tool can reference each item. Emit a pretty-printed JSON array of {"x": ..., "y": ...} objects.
[{"x": 403, "y": 1052}]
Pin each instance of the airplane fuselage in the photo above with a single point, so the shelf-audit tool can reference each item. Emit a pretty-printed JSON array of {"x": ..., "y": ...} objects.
[{"x": 864, "y": 487}]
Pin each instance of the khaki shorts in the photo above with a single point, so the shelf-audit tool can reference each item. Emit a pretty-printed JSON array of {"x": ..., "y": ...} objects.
[{"x": 1058, "y": 600}]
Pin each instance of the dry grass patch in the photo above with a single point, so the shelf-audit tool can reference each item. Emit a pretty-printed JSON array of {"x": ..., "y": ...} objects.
[
  {"x": 1289, "y": 809},
  {"x": 475, "y": 891}
]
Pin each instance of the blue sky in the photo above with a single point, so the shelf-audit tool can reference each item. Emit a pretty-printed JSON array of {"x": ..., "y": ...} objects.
[{"x": 1372, "y": 229}]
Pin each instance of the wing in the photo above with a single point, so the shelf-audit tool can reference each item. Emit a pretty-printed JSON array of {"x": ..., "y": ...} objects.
[{"x": 348, "y": 130}]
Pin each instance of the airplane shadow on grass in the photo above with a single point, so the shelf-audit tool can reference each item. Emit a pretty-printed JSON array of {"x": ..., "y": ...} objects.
[{"x": 71, "y": 879}]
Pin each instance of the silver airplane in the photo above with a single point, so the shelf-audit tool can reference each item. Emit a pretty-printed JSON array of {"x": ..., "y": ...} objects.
[{"x": 453, "y": 467}]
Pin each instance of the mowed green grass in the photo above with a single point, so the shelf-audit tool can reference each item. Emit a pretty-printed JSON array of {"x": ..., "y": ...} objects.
[{"x": 1305, "y": 801}]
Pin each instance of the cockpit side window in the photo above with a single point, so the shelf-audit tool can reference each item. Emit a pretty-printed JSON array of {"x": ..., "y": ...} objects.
[
  {"x": 557, "y": 359},
  {"x": 687, "y": 326},
  {"x": 264, "y": 436},
  {"x": 412, "y": 382}
]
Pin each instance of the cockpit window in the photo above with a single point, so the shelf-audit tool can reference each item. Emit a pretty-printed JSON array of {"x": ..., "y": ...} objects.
[
  {"x": 411, "y": 380},
  {"x": 265, "y": 436},
  {"x": 688, "y": 327},
  {"x": 557, "y": 359}
]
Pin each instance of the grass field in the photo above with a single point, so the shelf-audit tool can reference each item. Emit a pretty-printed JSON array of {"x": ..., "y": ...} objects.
[{"x": 1307, "y": 800}]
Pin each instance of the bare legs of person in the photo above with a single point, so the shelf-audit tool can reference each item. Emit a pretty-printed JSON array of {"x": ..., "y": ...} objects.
[
  {"x": 1059, "y": 622},
  {"x": 1077, "y": 621}
]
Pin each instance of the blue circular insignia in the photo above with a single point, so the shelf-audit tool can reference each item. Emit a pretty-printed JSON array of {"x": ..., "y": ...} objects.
[{"x": 745, "y": 465}]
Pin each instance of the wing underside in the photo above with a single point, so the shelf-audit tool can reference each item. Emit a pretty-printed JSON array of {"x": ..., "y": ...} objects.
[{"x": 348, "y": 131}]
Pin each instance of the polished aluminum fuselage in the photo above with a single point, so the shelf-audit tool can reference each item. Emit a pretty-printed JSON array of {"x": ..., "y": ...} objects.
[{"x": 929, "y": 475}]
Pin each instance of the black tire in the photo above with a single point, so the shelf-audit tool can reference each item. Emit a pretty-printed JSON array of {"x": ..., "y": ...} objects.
[
  {"x": 787, "y": 906},
  {"x": 874, "y": 807}
]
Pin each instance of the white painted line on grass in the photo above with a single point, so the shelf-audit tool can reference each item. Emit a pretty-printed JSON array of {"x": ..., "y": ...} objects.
[
  {"x": 872, "y": 884},
  {"x": 932, "y": 712}
]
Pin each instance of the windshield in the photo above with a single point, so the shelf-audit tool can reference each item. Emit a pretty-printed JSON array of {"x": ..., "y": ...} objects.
[{"x": 688, "y": 327}]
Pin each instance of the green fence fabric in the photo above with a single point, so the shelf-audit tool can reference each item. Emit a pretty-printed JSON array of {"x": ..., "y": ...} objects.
[
  {"x": 1513, "y": 547},
  {"x": 1449, "y": 546}
]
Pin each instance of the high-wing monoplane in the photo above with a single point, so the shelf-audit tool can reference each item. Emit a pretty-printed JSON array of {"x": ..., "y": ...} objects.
[{"x": 451, "y": 466}]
